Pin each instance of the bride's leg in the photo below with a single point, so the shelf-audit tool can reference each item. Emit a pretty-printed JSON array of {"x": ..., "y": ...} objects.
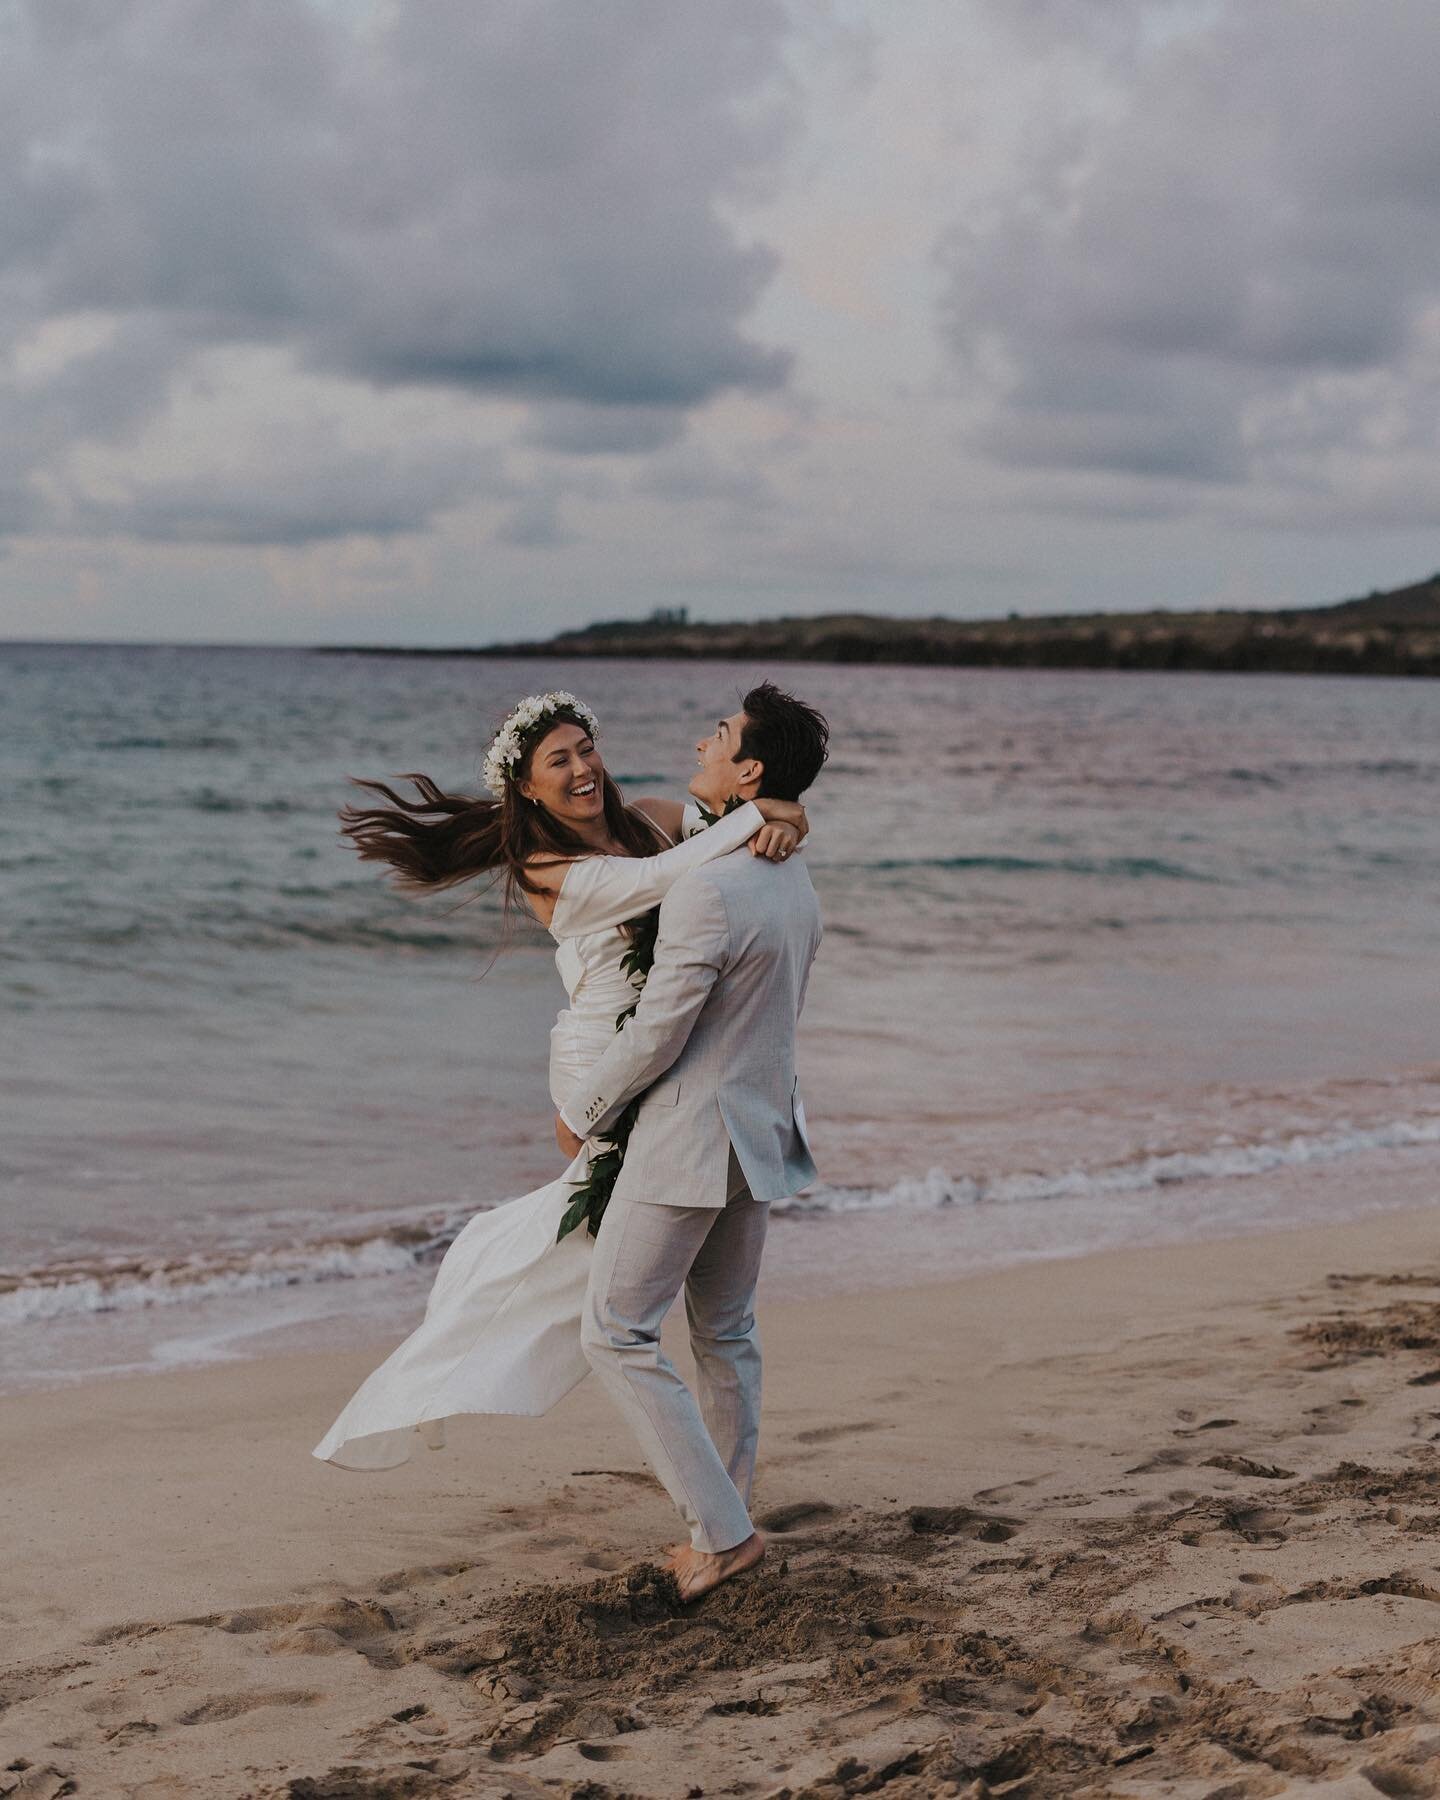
[{"x": 720, "y": 1305}]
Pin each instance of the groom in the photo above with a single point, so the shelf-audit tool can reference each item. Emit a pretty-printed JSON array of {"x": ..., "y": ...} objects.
[{"x": 715, "y": 1141}]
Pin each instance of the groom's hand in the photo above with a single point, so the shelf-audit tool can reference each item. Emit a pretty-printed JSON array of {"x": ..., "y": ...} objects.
[{"x": 566, "y": 1139}]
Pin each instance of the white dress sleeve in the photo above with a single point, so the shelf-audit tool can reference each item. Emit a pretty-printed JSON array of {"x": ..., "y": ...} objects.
[{"x": 598, "y": 891}]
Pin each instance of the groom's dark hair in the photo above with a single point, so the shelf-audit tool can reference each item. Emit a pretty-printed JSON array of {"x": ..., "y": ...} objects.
[{"x": 790, "y": 738}]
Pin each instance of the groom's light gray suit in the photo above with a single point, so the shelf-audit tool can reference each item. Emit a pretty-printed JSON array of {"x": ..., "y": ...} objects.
[{"x": 719, "y": 1135}]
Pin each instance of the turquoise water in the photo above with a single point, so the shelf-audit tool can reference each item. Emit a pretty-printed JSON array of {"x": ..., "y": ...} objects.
[{"x": 1077, "y": 924}]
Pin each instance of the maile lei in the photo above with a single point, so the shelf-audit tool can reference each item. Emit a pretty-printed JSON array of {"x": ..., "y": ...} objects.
[{"x": 592, "y": 1195}]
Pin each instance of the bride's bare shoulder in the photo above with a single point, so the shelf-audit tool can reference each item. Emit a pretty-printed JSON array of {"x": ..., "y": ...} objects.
[
  {"x": 549, "y": 866},
  {"x": 545, "y": 873},
  {"x": 669, "y": 815}
]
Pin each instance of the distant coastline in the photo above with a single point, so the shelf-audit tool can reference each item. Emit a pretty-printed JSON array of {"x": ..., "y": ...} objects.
[{"x": 1394, "y": 633}]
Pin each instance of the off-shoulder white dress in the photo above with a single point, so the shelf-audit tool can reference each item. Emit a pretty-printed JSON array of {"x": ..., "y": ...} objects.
[{"x": 501, "y": 1331}]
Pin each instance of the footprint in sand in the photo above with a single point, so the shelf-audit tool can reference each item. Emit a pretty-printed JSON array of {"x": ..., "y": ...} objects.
[
  {"x": 132, "y": 1628},
  {"x": 798, "y": 1512},
  {"x": 607, "y": 1561},
  {"x": 1244, "y": 1465},
  {"x": 317, "y": 1628},
  {"x": 1167, "y": 1458},
  {"x": 1333, "y": 1419},
  {"x": 754, "y": 1707},
  {"x": 420, "y": 1719},
  {"x": 133, "y": 1731},
  {"x": 1257, "y": 1524},
  {"x": 961, "y": 1521},
  {"x": 1206, "y": 1425},
  {"x": 1401, "y": 1584},
  {"x": 231, "y": 1706},
  {"x": 347, "y": 1618},
  {"x": 424, "y": 1574},
  {"x": 825, "y": 1434},
  {"x": 1008, "y": 1489}
]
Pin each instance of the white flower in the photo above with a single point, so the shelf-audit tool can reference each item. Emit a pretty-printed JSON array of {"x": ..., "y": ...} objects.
[{"x": 509, "y": 741}]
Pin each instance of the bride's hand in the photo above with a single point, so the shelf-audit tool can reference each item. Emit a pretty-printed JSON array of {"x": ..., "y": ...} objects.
[
  {"x": 784, "y": 812},
  {"x": 774, "y": 842}
]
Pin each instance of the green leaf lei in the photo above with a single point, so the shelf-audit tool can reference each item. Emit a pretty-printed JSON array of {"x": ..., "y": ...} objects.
[{"x": 592, "y": 1195}]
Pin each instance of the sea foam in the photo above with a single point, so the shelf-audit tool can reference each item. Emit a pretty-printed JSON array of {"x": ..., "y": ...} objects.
[{"x": 126, "y": 1284}]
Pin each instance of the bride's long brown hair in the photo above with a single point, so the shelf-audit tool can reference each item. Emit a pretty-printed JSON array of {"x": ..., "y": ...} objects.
[{"x": 441, "y": 839}]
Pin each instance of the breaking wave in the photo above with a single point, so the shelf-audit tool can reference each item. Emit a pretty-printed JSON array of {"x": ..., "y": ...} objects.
[{"x": 119, "y": 1284}]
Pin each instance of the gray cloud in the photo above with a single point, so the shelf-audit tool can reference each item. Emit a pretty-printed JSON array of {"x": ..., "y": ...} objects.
[
  {"x": 693, "y": 473},
  {"x": 305, "y": 491},
  {"x": 535, "y": 523},
  {"x": 537, "y": 519},
  {"x": 575, "y": 430},
  {"x": 1177, "y": 275},
  {"x": 1128, "y": 414},
  {"x": 520, "y": 200}
]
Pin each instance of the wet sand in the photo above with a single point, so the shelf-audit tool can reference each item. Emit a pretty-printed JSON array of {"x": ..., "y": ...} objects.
[{"x": 1152, "y": 1522}]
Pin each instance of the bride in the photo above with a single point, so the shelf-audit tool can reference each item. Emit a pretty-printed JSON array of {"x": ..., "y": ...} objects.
[{"x": 501, "y": 1331}]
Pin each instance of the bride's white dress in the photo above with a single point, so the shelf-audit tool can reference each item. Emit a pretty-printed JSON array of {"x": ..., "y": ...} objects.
[{"x": 501, "y": 1332}]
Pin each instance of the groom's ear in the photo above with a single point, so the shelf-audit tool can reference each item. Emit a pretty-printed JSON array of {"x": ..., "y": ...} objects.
[{"x": 749, "y": 774}]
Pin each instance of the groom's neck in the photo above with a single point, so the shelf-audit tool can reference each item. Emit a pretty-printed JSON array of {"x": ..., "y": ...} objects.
[{"x": 737, "y": 797}]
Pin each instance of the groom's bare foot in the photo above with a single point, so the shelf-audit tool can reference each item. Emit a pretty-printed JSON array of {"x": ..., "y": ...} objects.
[{"x": 697, "y": 1571}]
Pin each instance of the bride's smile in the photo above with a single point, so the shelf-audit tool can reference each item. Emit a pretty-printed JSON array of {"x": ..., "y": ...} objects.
[{"x": 567, "y": 776}]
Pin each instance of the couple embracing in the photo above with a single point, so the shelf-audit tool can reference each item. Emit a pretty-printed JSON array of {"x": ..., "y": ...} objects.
[{"x": 685, "y": 937}]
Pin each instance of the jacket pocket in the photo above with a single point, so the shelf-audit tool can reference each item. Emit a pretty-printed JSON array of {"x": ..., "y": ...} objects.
[{"x": 664, "y": 1093}]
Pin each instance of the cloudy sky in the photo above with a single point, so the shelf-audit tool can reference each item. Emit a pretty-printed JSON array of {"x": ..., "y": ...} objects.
[{"x": 328, "y": 320}]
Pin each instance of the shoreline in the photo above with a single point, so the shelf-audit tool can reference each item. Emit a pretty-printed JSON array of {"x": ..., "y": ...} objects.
[
  {"x": 1115, "y": 1468},
  {"x": 825, "y": 1256}
]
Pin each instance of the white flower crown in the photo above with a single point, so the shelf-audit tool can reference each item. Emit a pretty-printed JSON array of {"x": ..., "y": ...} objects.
[{"x": 509, "y": 743}]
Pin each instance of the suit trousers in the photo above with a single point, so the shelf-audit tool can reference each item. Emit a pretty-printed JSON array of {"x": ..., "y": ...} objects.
[{"x": 644, "y": 1252}]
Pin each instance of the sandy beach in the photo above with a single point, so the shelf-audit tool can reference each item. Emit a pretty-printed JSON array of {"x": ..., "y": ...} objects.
[{"x": 1157, "y": 1521}]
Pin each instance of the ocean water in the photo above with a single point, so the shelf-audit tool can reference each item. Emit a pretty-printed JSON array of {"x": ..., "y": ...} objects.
[{"x": 1108, "y": 958}]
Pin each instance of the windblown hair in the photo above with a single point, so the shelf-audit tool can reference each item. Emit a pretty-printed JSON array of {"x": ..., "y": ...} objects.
[
  {"x": 789, "y": 737},
  {"x": 441, "y": 839}
]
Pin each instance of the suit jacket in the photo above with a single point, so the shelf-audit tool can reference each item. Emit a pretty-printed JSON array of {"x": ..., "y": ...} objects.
[{"x": 717, "y": 1020}]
